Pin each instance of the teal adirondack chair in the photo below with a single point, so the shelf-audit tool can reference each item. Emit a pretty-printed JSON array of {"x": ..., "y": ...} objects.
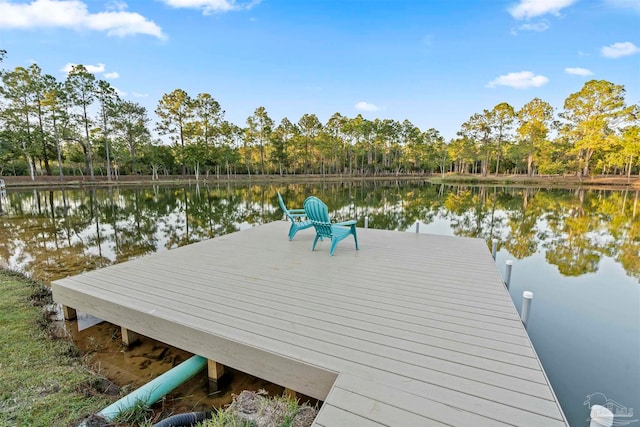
[
  {"x": 318, "y": 214},
  {"x": 296, "y": 216}
]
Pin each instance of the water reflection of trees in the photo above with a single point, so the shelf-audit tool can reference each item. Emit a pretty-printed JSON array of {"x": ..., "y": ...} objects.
[{"x": 55, "y": 233}]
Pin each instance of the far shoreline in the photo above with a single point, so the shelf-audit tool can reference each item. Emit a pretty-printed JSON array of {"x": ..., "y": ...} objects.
[{"x": 549, "y": 181}]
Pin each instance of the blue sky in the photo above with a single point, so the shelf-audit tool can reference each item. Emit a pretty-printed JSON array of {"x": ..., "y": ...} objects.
[{"x": 434, "y": 62}]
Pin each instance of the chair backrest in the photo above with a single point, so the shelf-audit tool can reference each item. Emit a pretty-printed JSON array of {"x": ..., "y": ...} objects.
[
  {"x": 311, "y": 197},
  {"x": 318, "y": 213},
  {"x": 283, "y": 207}
]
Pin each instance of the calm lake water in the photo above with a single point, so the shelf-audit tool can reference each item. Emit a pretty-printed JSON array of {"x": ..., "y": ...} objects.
[{"x": 577, "y": 250}]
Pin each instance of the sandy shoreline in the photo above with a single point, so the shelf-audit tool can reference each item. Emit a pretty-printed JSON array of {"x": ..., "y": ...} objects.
[{"x": 613, "y": 182}]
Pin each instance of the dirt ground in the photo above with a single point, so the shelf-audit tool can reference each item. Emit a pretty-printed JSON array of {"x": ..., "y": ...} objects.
[{"x": 128, "y": 368}]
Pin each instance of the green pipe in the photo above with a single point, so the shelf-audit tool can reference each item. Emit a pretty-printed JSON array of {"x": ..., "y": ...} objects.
[{"x": 154, "y": 390}]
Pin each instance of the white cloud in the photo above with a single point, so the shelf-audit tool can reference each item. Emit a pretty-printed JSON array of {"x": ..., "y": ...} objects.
[
  {"x": 112, "y": 75},
  {"x": 618, "y": 50},
  {"x": 90, "y": 68},
  {"x": 577, "y": 71},
  {"x": 527, "y": 9},
  {"x": 366, "y": 106},
  {"x": 520, "y": 80},
  {"x": 210, "y": 6},
  {"x": 536, "y": 26},
  {"x": 116, "y": 5},
  {"x": 74, "y": 14},
  {"x": 139, "y": 95}
]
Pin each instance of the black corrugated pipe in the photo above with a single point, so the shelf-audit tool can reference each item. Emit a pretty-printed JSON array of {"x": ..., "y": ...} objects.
[{"x": 184, "y": 420}]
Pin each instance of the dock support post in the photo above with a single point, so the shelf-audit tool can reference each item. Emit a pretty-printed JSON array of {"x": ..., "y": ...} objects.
[
  {"x": 128, "y": 336},
  {"x": 494, "y": 248},
  {"x": 291, "y": 394},
  {"x": 366, "y": 222},
  {"x": 417, "y": 227},
  {"x": 507, "y": 273},
  {"x": 527, "y": 297},
  {"x": 215, "y": 373},
  {"x": 69, "y": 313}
]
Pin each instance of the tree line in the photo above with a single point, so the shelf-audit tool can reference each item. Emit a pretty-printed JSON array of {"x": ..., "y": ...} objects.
[{"x": 81, "y": 126}]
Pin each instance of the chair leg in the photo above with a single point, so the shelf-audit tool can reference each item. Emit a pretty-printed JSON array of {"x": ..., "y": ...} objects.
[
  {"x": 334, "y": 243},
  {"x": 292, "y": 231},
  {"x": 355, "y": 237},
  {"x": 313, "y": 248}
]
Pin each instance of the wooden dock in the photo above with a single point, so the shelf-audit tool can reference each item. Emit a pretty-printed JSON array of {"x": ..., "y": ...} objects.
[{"x": 411, "y": 330}]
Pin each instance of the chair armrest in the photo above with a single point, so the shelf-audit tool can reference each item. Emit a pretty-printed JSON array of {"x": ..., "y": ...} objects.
[
  {"x": 350, "y": 222},
  {"x": 296, "y": 210}
]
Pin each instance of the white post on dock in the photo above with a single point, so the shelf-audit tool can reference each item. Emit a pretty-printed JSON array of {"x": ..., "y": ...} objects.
[
  {"x": 417, "y": 226},
  {"x": 366, "y": 222},
  {"x": 507, "y": 273},
  {"x": 527, "y": 297},
  {"x": 600, "y": 416},
  {"x": 494, "y": 248}
]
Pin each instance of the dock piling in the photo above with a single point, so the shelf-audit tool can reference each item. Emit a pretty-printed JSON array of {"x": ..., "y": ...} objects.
[
  {"x": 215, "y": 372},
  {"x": 69, "y": 313},
  {"x": 291, "y": 394},
  {"x": 527, "y": 297},
  {"x": 128, "y": 336},
  {"x": 366, "y": 222},
  {"x": 507, "y": 273},
  {"x": 494, "y": 248},
  {"x": 417, "y": 227}
]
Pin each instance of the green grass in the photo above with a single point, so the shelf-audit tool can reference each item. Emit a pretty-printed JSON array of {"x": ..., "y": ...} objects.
[
  {"x": 256, "y": 409},
  {"x": 225, "y": 418},
  {"x": 42, "y": 381},
  {"x": 138, "y": 414}
]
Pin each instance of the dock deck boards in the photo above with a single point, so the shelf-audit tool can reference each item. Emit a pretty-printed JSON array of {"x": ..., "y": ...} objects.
[{"x": 412, "y": 329}]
